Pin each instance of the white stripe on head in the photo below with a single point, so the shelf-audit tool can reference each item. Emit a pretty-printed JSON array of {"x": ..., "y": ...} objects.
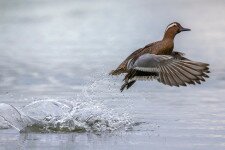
[{"x": 171, "y": 25}]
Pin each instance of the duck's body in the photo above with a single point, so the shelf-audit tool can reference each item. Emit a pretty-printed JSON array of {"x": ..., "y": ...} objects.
[
  {"x": 164, "y": 47},
  {"x": 158, "y": 61}
]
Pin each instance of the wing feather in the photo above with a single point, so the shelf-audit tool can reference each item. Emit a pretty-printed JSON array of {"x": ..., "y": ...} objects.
[
  {"x": 167, "y": 69},
  {"x": 170, "y": 77}
]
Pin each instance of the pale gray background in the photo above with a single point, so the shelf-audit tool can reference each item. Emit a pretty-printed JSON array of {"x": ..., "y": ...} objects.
[{"x": 54, "y": 48}]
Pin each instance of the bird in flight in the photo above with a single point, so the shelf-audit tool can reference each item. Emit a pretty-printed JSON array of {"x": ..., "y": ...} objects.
[{"x": 158, "y": 61}]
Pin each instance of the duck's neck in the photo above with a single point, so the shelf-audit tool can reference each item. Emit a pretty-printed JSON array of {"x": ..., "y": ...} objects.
[
  {"x": 168, "y": 41},
  {"x": 169, "y": 35}
]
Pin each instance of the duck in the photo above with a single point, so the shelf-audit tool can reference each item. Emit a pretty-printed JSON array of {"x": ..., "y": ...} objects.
[{"x": 158, "y": 61}]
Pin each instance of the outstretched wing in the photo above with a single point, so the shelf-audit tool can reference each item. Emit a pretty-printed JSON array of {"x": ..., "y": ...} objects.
[
  {"x": 122, "y": 67},
  {"x": 167, "y": 69}
]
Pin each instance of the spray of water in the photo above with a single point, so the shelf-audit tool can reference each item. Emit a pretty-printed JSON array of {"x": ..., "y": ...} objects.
[{"x": 87, "y": 112}]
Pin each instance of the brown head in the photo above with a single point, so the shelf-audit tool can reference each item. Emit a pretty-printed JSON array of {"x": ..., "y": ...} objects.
[{"x": 173, "y": 29}]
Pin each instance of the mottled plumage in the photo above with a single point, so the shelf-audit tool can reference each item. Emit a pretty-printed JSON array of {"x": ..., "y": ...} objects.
[{"x": 158, "y": 61}]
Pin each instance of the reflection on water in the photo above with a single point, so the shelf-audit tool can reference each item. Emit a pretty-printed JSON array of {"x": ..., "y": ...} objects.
[{"x": 54, "y": 49}]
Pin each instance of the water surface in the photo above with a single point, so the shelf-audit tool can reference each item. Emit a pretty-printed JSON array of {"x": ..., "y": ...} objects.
[{"x": 61, "y": 51}]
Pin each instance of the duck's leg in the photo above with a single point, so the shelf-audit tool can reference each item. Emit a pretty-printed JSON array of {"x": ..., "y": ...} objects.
[
  {"x": 127, "y": 85},
  {"x": 130, "y": 84}
]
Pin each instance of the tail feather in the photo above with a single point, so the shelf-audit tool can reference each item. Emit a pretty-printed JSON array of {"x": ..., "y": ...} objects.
[{"x": 116, "y": 72}]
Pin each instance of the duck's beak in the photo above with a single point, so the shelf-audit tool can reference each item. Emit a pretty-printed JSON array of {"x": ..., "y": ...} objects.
[{"x": 184, "y": 29}]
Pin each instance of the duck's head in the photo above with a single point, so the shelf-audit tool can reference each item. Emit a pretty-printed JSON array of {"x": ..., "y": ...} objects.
[{"x": 173, "y": 29}]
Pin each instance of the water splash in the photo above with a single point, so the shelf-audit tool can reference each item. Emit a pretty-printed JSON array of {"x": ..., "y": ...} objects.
[{"x": 85, "y": 113}]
